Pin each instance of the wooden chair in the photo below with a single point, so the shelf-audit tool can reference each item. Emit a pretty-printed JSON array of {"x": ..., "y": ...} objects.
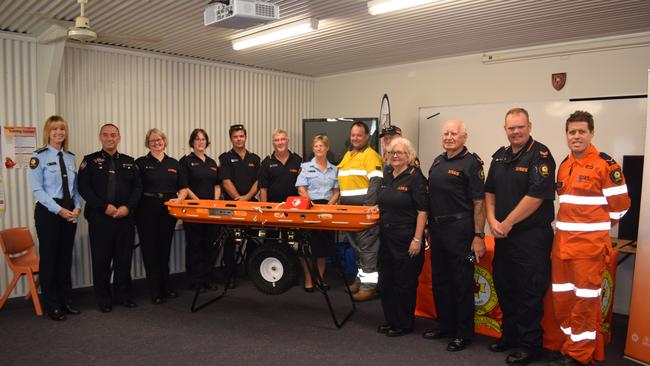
[{"x": 20, "y": 254}]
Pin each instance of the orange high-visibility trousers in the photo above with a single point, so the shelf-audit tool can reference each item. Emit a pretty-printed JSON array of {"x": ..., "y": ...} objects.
[{"x": 576, "y": 300}]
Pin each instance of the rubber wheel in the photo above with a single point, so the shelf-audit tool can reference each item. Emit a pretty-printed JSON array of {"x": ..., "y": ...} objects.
[{"x": 273, "y": 268}]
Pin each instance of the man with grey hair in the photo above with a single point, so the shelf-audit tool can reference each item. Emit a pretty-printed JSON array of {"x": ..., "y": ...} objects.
[
  {"x": 456, "y": 222},
  {"x": 279, "y": 170}
]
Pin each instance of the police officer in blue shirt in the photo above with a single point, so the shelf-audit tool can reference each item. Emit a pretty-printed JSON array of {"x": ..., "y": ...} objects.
[
  {"x": 318, "y": 181},
  {"x": 53, "y": 179}
]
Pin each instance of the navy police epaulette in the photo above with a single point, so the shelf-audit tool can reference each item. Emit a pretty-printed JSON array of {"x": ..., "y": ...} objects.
[
  {"x": 41, "y": 150},
  {"x": 501, "y": 149},
  {"x": 478, "y": 158},
  {"x": 607, "y": 158},
  {"x": 70, "y": 152}
]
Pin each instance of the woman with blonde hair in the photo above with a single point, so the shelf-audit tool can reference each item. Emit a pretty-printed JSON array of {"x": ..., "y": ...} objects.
[
  {"x": 162, "y": 180},
  {"x": 53, "y": 178},
  {"x": 318, "y": 182}
]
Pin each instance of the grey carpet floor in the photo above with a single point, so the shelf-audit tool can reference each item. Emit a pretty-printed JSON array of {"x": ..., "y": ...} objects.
[{"x": 244, "y": 328}]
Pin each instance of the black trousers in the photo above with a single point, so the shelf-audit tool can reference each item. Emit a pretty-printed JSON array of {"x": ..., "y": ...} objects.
[
  {"x": 199, "y": 251},
  {"x": 398, "y": 276},
  {"x": 56, "y": 239},
  {"x": 452, "y": 276},
  {"x": 156, "y": 231},
  {"x": 522, "y": 272},
  {"x": 111, "y": 241}
]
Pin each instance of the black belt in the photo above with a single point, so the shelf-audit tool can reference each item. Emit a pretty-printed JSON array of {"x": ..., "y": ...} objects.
[
  {"x": 397, "y": 226},
  {"x": 159, "y": 195},
  {"x": 450, "y": 218}
]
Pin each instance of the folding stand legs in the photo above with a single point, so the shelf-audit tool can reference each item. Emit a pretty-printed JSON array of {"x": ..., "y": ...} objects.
[
  {"x": 223, "y": 236},
  {"x": 305, "y": 247}
]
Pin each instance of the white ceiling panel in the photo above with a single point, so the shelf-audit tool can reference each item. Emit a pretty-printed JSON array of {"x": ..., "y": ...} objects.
[{"x": 349, "y": 38}]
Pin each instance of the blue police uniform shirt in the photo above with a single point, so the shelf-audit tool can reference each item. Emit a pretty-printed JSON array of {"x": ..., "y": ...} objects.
[
  {"x": 45, "y": 177},
  {"x": 320, "y": 185}
]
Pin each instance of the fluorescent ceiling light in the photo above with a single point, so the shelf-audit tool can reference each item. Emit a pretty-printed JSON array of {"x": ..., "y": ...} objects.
[
  {"x": 276, "y": 34},
  {"x": 384, "y": 6}
]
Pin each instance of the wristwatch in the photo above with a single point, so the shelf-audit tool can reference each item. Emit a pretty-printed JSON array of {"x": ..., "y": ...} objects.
[{"x": 480, "y": 235}]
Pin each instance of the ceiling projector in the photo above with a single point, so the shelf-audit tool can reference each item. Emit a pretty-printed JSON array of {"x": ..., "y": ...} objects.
[{"x": 240, "y": 14}]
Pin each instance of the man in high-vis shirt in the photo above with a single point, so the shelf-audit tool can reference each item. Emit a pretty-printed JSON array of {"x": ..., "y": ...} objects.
[
  {"x": 593, "y": 197},
  {"x": 360, "y": 175}
]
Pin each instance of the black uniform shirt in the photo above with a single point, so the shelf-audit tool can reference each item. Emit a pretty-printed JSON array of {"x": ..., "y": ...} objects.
[
  {"x": 401, "y": 198},
  {"x": 278, "y": 178},
  {"x": 163, "y": 176},
  {"x": 202, "y": 176},
  {"x": 242, "y": 172},
  {"x": 530, "y": 172},
  {"x": 93, "y": 181},
  {"x": 455, "y": 183}
]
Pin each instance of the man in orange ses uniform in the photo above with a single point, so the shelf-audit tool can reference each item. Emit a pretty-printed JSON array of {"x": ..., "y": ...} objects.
[{"x": 593, "y": 197}]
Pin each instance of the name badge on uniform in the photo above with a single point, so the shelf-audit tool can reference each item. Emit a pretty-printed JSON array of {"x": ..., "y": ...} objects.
[
  {"x": 51, "y": 163},
  {"x": 453, "y": 172},
  {"x": 233, "y": 160},
  {"x": 522, "y": 169},
  {"x": 213, "y": 168},
  {"x": 403, "y": 188},
  {"x": 172, "y": 170},
  {"x": 194, "y": 164},
  {"x": 251, "y": 165},
  {"x": 271, "y": 165},
  {"x": 127, "y": 166},
  {"x": 293, "y": 170}
]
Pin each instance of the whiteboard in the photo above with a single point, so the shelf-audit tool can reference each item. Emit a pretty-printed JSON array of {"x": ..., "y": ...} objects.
[{"x": 620, "y": 126}]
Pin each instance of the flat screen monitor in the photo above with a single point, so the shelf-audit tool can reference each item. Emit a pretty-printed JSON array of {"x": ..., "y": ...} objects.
[
  {"x": 628, "y": 227},
  {"x": 338, "y": 132}
]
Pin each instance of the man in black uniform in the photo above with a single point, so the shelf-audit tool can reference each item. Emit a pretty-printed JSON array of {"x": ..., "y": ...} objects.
[
  {"x": 519, "y": 194},
  {"x": 110, "y": 183},
  {"x": 456, "y": 222},
  {"x": 279, "y": 171},
  {"x": 239, "y": 172}
]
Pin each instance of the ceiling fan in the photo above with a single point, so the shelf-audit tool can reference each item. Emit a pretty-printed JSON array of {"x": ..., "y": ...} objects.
[{"x": 80, "y": 31}]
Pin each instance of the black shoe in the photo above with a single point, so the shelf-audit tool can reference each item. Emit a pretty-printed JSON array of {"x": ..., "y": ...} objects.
[
  {"x": 383, "y": 328},
  {"x": 522, "y": 358},
  {"x": 435, "y": 334},
  {"x": 564, "y": 360},
  {"x": 325, "y": 286},
  {"x": 398, "y": 332},
  {"x": 171, "y": 294},
  {"x": 128, "y": 304},
  {"x": 157, "y": 300},
  {"x": 212, "y": 286},
  {"x": 308, "y": 289},
  {"x": 458, "y": 344},
  {"x": 105, "y": 308},
  {"x": 501, "y": 345},
  {"x": 56, "y": 314},
  {"x": 68, "y": 309}
]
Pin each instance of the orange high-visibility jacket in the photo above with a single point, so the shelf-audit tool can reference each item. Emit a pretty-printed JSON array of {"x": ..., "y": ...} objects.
[{"x": 593, "y": 197}]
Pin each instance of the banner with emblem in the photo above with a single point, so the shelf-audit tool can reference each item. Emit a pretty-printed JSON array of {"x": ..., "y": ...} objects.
[{"x": 488, "y": 315}]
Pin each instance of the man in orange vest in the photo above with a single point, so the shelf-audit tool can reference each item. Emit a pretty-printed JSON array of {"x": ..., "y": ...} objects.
[{"x": 593, "y": 197}]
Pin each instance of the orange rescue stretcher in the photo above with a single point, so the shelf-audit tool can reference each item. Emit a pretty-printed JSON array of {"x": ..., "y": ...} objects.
[
  {"x": 278, "y": 231},
  {"x": 294, "y": 213}
]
